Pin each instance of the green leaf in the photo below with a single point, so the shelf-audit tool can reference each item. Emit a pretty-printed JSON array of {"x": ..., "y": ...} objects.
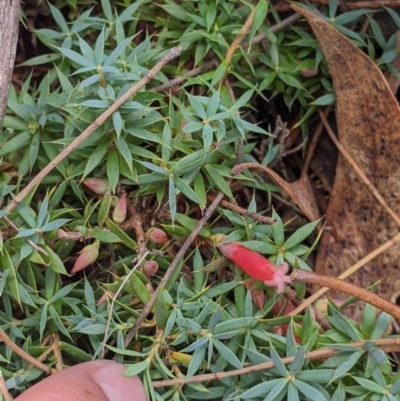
[
  {"x": 298, "y": 361},
  {"x": 113, "y": 169},
  {"x": 104, "y": 236},
  {"x": 260, "y": 14},
  {"x": 300, "y": 235},
  {"x": 381, "y": 326},
  {"x": 345, "y": 325},
  {"x": 161, "y": 310},
  {"x": 350, "y": 361},
  {"x": 104, "y": 209},
  {"x": 123, "y": 149},
  {"x": 276, "y": 392},
  {"x": 261, "y": 247},
  {"x": 53, "y": 260},
  {"x": 349, "y": 17},
  {"x": 207, "y": 135},
  {"x": 211, "y": 14},
  {"x": 277, "y": 230},
  {"x": 117, "y": 122},
  {"x": 309, "y": 391},
  {"x": 172, "y": 198},
  {"x": 77, "y": 58},
  {"x": 99, "y": 48},
  {"x": 219, "y": 73},
  {"x": 128, "y": 241},
  {"x": 95, "y": 158},
  {"x": 227, "y": 354},
  {"x": 261, "y": 389},
  {"x": 54, "y": 225},
  {"x": 370, "y": 385},
  {"x": 216, "y": 177},
  {"x": 289, "y": 80},
  {"x": 321, "y": 376},
  {"x": 137, "y": 367},
  {"x": 187, "y": 191},
  {"x": 279, "y": 365},
  {"x": 166, "y": 149},
  {"x": 7, "y": 265},
  {"x": 199, "y": 188},
  {"x": 59, "y": 18},
  {"x": 368, "y": 320},
  {"x": 17, "y": 142},
  {"x": 140, "y": 289},
  {"x": 196, "y": 360},
  {"x": 197, "y": 106},
  {"x": 325, "y": 100}
]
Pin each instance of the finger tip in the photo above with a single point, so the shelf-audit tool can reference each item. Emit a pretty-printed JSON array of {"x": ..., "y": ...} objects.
[{"x": 117, "y": 387}]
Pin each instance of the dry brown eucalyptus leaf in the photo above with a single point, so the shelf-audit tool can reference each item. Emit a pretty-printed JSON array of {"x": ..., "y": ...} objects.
[{"x": 368, "y": 119}]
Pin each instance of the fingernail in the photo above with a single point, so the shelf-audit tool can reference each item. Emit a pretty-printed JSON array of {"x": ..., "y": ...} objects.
[{"x": 117, "y": 387}]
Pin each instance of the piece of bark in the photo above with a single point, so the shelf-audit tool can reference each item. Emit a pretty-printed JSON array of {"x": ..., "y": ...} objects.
[
  {"x": 368, "y": 119},
  {"x": 9, "y": 15}
]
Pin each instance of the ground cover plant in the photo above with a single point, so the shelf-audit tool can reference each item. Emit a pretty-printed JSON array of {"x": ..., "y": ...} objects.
[{"x": 117, "y": 251}]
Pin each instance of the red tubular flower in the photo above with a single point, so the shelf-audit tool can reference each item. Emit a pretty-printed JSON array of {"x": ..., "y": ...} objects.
[{"x": 256, "y": 266}]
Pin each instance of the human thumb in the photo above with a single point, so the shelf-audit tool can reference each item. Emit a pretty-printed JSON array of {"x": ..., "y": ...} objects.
[{"x": 90, "y": 381}]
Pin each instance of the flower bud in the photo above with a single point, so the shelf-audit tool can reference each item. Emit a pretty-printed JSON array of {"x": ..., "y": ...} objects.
[
  {"x": 219, "y": 239},
  {"x": 87, "y": 256},
  {"x": 106, "y": 295},
  {"x": 157, "y": 236},
  {"x": 119, "y": 212},
  {"x": 97, "y": 185},
  {"x": 308, "y": 73},
  {"x": 150, "y": 268}
]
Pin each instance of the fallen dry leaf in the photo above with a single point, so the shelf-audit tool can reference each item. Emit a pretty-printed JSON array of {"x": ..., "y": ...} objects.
[
  {"x": 299, "y": 191},
  {"x": 368, "y": 119}
]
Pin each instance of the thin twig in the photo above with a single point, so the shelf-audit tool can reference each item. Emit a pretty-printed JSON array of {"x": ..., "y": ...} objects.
[
  {"x": 173, "y": 53},
  {"x": 32, "y": 244},
  {"x": 320, "y": 354},
  {"x": 351, "y": 270},
  {"x": 57, "y": 353},
  {"x": 358, "y": 171},
  {"x": 252, "y": 215},
  {"x": 348, "y": 288},
  {"x": 116, "y": 296},
  {"x": 6, "y": 396},
  {"x": 365, "y": 4},
  {"x": 23, "y": 354},
  {"x": 238, "y": 40}
]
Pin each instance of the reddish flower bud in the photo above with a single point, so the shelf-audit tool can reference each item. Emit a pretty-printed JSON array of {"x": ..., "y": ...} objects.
[
  {"x": 150, "y": 268},
  {"x": 157, "y": 236},
  {"x": 87, "y": 256},
  {"x": 97, "y": 185},
  {"x": 106, "y": 295},
  {"x": 308, "y": 73},
  {"x": 256, "y": 266},
  {"x": 119, "y": 212}
]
